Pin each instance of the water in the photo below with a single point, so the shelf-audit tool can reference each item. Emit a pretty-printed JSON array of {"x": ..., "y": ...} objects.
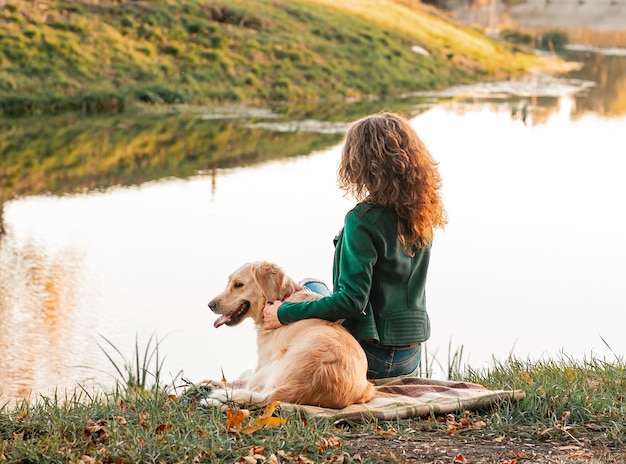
[{"x": 530, "y": 264}]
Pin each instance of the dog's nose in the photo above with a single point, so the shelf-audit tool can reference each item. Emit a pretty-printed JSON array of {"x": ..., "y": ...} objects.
[{"x": 212, "y": 305}]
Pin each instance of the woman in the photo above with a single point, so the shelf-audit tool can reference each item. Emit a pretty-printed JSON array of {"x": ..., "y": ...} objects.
[{"x": 382, "y": 252}]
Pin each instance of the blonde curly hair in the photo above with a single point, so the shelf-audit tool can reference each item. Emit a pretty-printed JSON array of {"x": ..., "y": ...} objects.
[{"x": 385, "y": 162}]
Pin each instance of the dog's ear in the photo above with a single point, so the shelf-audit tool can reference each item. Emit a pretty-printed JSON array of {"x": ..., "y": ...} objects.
[{"x": 269, "y": 278}]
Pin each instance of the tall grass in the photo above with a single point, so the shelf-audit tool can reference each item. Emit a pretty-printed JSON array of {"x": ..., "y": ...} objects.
[{"x": 143, "y": 370}]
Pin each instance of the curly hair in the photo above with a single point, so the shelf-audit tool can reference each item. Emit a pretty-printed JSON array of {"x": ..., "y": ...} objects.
[{"x": 385, "y": 162}]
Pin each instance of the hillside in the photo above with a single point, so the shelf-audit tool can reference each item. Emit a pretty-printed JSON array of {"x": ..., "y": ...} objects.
[{"x": 102, "y": 55}]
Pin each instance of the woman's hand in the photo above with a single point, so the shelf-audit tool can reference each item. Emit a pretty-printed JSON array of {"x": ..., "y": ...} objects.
[{"x": 270, "y": 315}]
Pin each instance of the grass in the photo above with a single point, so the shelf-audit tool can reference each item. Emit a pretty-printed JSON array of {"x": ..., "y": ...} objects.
[
  {"x": 141, "y": 421},
  {"x": 107, "y": 56}
]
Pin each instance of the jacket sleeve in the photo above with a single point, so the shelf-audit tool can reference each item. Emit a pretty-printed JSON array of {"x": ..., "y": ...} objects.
[{"x": 355, "y": 257}]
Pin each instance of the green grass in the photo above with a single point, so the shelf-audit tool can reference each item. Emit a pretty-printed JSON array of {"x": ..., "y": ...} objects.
[
  {"x": 149, "y": 421},
  {"x": 106, "y": 55},
  {"x": 564, "y": 397}
]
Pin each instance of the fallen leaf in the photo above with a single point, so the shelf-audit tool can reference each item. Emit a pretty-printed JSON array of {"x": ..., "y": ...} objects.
[
  {"x": 389, "y": 432},
  {"x": 304, "y": 460},
  {"x": 96, "y": 431},
  {"x": 459, "y": 458},
  {"x": 263, "y": 423},
  {"x": 250, "y": 459},
  {"x": 258, "y": 449},
  {"x": 142, "y": 420},
  {"x": 269, "y": 409},
  {"x": 235, "y": 419},
  {"x": 332, "y": 442},
  {"x": 479, "y": 425},
  {"x": 162, "y": 428}
]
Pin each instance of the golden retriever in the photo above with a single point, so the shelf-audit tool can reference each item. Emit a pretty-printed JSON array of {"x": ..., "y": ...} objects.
[{"x": 312, "y": 362}]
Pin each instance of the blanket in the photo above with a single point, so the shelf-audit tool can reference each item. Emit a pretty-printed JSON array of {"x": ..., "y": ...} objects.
[{"x": 404, "y": 397}]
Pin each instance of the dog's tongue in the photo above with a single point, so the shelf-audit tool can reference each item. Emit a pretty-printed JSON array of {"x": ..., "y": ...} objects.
[{"x": 221, "y": 321}]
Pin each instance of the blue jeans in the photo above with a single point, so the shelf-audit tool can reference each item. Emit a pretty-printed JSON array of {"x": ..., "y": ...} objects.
[
  {"x": 316, "y": 286},
  {"x": 391, "y": 361},
  {"x": 382, "y": 361}
]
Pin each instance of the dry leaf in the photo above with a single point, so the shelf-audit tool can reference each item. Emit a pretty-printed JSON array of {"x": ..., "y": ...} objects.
[
  {"x": 263, "y": 422},
  {"x": 259, "y": 449},
  {"x": 269, "y": 409},
  {"x": 250, "y": 459},
  {"x": 142, "y": 420},
  {"x": 479, "y": 425},
  {"x": 390, "y": 431},
  {"x": 235, "y": 419},
  {"x": 162, "y": 428},
  {"x": 96, "y": 431},
  {"x": 304, "y": 460},
  {"x": 332, "y": 442}
]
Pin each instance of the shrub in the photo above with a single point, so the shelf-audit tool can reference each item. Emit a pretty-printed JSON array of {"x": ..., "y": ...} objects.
[
  {"x": 159, "y": 94},
  {"x": 551, "y": 40},
  {"x": 513, "y": 36}
]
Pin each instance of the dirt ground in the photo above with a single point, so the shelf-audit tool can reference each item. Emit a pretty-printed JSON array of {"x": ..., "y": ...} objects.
[{"x": 453, "y": 449}]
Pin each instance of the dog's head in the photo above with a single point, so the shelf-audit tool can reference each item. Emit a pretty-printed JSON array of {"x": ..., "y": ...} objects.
[{"x": 249, "y": 288}]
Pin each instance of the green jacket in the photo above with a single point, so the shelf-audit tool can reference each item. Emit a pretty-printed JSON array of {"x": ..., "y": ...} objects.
[{"x": 377, "y": 287}]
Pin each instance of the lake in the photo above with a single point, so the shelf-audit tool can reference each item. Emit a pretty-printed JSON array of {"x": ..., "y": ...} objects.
[{"x": 112, "y": 232}]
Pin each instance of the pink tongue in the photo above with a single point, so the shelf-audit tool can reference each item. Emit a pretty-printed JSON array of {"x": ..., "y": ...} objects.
[{"x": 221, "y": 321}]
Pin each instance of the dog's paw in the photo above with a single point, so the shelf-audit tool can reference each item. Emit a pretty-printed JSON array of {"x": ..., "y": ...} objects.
[
  {"x": 212, "y": 384},
  {"x": 216, "y": 398}
]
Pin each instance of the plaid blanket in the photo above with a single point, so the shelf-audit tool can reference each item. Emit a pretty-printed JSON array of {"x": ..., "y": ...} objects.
[{"x": 404, "y": 397}]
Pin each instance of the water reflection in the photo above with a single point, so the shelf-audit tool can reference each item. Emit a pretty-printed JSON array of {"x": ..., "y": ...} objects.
[
  {"x": 608, "y": 96},
  {"x": 40, "y": 334}
]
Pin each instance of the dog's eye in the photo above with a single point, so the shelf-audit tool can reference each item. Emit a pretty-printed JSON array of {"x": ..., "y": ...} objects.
[{"x": 238, "y": 285}]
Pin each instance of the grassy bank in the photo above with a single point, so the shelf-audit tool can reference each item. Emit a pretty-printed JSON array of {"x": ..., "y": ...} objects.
[
  {"x": 573, "y": 408},
  {"x": 97, "y": 56}
]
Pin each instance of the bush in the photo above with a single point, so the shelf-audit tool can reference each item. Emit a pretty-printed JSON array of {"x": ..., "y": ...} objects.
[
  {"x": 159, "y": 94},
  {"x": 516, "y": 37},
  {"x": 551, "y": 40}
]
